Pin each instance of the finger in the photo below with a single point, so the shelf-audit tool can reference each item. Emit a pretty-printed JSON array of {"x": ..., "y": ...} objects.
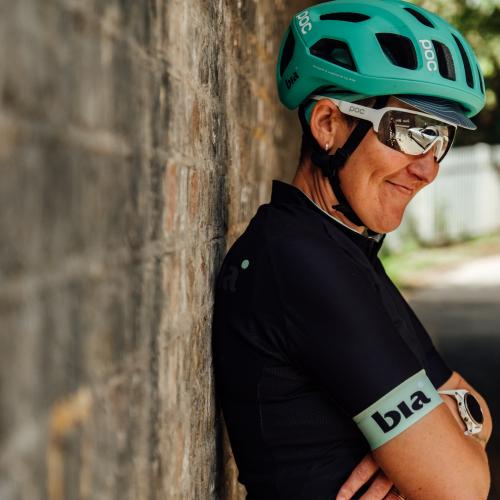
[
  {"x": 380, "y": 487},
  {"x": 395, "y": 494},
  {"x": 359, "y": 476}
]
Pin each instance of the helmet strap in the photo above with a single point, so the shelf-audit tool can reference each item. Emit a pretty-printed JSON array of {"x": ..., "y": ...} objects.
[{"x": 332, "y": 164}]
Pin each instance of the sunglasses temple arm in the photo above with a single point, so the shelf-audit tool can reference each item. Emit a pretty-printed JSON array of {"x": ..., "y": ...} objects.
[{"x": 362, "y": 112}]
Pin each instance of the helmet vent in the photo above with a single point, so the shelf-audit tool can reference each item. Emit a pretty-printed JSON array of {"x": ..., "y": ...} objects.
[
  {"x": 327, "y": 88},
  {"x": 333, "y": 89},
  {"x": 468, "y": 70},
  {"x": 334, "y": 51},
  {"x": 288, "y": 50},
  {"x": 420, "y": 17},
  {"x": 480, "y": 79},
  {"x": 445, "y": 60},
  {"x": 350, "y": 17},
  {"x": 399, "y": 49}
]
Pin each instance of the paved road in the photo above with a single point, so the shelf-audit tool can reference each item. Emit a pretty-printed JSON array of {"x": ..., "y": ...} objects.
[{"x": 461, "y": 310}]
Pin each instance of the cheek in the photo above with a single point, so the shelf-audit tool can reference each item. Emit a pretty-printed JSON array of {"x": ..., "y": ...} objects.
[
  {"x": 372, "y": 162},
  {"x": 388, "y": 160},
  {"x": 435, "y": 172}
]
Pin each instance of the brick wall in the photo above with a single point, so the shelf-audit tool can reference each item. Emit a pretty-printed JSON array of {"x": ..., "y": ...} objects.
[{"x": 136, "y": 140}]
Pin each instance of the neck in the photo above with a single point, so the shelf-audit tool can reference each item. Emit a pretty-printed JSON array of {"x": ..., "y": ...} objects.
[{"x": 315, "y": 186}]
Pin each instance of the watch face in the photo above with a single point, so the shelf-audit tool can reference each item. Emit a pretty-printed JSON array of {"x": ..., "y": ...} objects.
[{"x": 472, "y": 405}]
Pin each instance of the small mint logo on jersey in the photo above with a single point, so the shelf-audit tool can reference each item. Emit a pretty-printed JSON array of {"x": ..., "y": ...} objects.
[
  {"x": 291, "y": 80},
  {"x": 392, "y": 418}
]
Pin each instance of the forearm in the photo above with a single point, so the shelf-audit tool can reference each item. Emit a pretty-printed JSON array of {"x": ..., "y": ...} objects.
[
  {"x": 434, "y": 459},
  {"x": 476, "y": 444},
  {"x": 470, "y": 479},
  {"x": 463, "y": 471},
  {"x": 480, "y": 474},
  {"x": 485, "y": 434},
  {"x": 487, "y": 429}
]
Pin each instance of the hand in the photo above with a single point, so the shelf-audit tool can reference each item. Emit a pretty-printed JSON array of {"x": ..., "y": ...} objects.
[{"x": 381, "y": 488}]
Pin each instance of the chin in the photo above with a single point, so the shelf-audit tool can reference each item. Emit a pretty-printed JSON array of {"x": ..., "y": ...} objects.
[{"x": 386, "y": 225}]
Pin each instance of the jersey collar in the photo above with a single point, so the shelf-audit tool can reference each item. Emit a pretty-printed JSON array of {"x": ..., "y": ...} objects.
[{"x": 283, "y": 193}]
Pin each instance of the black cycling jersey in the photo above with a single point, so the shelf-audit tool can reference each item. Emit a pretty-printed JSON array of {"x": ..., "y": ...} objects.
[{"x": 318, "y": 358}]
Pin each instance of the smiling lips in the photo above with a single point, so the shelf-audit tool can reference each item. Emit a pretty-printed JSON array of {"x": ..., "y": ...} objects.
[{"x": 401, "y": 188}]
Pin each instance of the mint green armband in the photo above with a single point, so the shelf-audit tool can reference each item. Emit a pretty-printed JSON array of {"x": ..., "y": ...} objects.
[{"x": 398, "y": 409}]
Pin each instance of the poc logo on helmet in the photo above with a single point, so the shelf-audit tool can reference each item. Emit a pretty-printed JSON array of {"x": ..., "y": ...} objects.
[
  {"x": 357, "y": 110},
  {"x": 392, "y": 418},
  {"x": 291, "y": 80},
  {"x": 429, "y": 54},
  {"x": 304, "y": 22}
]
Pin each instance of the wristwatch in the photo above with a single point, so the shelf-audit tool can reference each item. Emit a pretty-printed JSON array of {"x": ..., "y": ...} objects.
[{"x": 469, "y": 409}]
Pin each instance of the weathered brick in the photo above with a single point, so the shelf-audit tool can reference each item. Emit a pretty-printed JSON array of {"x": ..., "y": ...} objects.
[{"x": 136, "y": 141}]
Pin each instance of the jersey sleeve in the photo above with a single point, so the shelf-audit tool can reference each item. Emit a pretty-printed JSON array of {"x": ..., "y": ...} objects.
[
  {"x": 438, "y": 370},
  {"x": 338, "y": 330}
]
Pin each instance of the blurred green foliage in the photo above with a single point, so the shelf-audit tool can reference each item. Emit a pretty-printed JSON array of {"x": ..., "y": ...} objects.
[{"x": 479, "y": 22}]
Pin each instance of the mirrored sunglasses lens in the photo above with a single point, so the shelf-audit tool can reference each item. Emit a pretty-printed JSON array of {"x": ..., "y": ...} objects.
[{"x": 415, "y": 134}]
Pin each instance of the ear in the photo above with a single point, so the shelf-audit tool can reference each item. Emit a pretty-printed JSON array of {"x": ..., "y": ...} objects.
[{"x": 326, "y": 123}]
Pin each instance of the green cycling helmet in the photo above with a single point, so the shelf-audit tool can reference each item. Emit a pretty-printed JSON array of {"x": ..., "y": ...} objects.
[{"x": 356, "y": 49}]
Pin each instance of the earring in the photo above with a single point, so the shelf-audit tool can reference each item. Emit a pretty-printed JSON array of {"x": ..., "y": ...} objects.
[{"x": 327, "y": 147}]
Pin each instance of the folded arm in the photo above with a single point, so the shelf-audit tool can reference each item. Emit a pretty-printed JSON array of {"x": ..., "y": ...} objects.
[
  {"x": 434, "y": 459},
  {"x": 343, "y": 331}
]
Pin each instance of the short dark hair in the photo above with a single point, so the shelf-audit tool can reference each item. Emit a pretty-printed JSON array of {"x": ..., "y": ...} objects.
[{"x": 309, "y": 142}]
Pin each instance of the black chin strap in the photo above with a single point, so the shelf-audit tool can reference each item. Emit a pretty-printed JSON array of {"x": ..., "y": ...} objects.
[{"x": 332, "y": 164}]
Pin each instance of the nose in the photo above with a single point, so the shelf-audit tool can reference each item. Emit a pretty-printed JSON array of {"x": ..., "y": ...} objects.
[{"x": 425, "y": 167}]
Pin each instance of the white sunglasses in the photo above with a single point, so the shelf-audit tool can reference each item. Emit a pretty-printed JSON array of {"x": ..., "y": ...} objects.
[{"x": 410, "y": 132}]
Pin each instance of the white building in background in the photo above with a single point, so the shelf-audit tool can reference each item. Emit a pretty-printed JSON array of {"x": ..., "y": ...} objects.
[{"x": 463, "y": 201}]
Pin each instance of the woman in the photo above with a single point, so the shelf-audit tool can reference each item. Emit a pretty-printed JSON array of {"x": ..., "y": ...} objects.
[{"x": 327, "y": 380}]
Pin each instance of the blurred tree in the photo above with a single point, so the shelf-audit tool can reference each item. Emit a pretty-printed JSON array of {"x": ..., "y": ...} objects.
[{"x": 479, "y": 22}]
